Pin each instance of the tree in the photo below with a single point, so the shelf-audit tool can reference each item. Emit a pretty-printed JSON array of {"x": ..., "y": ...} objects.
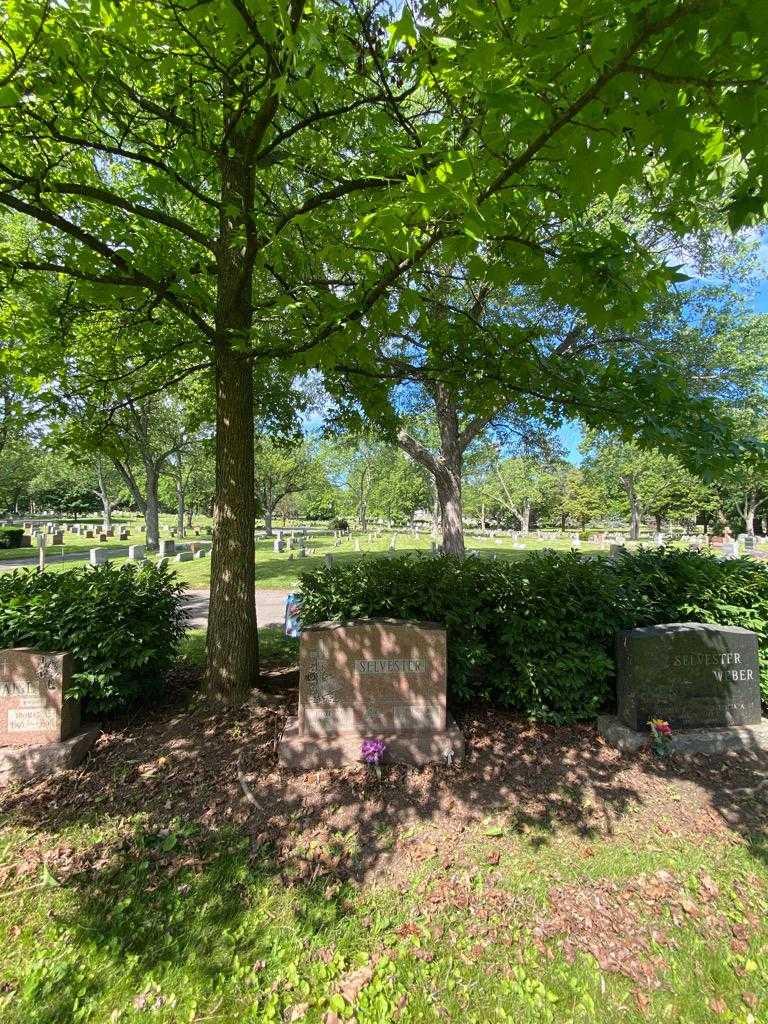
[
  {"x": 281, "y": 469},
  {"x": 398, "y": 488},
  {"x": 651, "y": 483},
  {"x": 744, "y": 485},
  {"x": 520, "y": 484},
  {"x": 18, "y": 466},
  {"x": 573, "y": 496},
  {"x": 731, "y": 343},
  {"x": 220, "y": 152}
]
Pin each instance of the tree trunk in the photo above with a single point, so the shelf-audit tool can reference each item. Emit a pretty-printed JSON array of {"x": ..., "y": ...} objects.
[
  {"x": 449, "y": 495},
  {"x": 268, "y": 512},
  {"x": 233, "y": 645},
  {"x": 143, "y": 505},
  {"x": 749, "y": 510},
  {"x": 634, "y": 522},
  {"x": 180, "y": 509},
  {"x": 482, "y": 517},
  {"x": 152, "y": 509},
  {"x": 628, "y": 483},
  {"x": 232, "y": 632},
  {"x": 189, "y": 518},
  {"x": 525, "y": 517},
  {"x": 103, "y": 495}
]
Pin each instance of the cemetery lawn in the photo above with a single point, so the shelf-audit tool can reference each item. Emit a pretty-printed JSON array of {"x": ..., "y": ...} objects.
[
  {"x": 280, "y": 572},
  {"x": 179, "y": 876}
]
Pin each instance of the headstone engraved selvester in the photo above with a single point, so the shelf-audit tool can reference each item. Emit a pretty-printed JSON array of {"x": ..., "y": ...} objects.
[
  {"x": 33, "y": 688},
  {"x": 366, "y": 679},
  {"x": 703, "y": 679}
]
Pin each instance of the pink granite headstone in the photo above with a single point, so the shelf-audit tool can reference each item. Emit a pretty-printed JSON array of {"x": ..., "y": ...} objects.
[
  {"x": 33, "y": 685},
  {"x": 371, "y": 678}
]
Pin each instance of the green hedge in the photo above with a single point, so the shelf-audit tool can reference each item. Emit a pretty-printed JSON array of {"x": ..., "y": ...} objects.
[
  {"x": 10, "y": 536},
  {"x": 538, "y": 634},
  {"x": 122, "y": 626}
]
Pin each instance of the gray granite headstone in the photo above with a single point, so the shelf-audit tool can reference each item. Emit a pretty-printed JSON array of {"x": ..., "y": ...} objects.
[{"x": 694, "y": 675}]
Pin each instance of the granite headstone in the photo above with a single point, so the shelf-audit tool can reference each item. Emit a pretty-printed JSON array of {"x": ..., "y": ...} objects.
[
  {"x": 33, "y": 687},
  {"x": 371, "y": 678},
  {"x": 693, "y": 675}
]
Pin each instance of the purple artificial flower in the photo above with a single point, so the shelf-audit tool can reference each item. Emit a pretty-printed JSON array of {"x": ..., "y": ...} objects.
[{"x": 372, "y": 751}]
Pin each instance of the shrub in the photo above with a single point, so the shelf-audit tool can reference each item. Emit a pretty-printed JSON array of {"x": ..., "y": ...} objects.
[
  {"x": 121, "y": 625},
  {"x": 338, "y": 524},
  {"x": 10, "y": 536},
  {"x": 538, "y": 634}
]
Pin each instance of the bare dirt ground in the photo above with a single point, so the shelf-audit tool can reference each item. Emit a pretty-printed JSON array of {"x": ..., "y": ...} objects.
[{"x": 217, "y": 768}]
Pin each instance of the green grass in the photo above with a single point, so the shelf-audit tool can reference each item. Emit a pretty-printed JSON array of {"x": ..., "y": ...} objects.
[
  {"x": 73, "y": 543},
  {"x": 275, "y": 649},
  {"x": 280, "y": 572},
  {"x": 175, "y": 927}
]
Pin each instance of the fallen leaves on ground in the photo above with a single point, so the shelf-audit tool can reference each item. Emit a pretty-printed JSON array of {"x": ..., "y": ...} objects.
[{"x": 622, "y": 924}]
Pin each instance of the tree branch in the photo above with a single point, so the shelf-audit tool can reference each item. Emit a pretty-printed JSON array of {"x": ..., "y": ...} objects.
[{"x": 139, "y": 278}]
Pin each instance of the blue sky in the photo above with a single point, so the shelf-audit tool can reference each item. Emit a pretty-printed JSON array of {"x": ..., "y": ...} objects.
[{"x": 570, "y": 438}]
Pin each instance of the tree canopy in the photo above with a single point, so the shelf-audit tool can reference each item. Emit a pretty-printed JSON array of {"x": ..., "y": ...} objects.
[{"x": 259, "y": 174}]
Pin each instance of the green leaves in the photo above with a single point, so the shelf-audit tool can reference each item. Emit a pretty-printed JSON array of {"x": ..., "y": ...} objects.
[
  {"x": 403, "y": 30},
  {"x": 538, "y": 635},
  {"x": 122, "y": 626}
]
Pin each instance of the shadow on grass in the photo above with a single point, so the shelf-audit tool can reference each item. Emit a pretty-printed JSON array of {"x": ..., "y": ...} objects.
[{"x": 215, "y": 829}]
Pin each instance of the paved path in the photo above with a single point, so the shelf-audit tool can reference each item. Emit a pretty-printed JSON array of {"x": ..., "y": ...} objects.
[{"x": 269, "y": 607}]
